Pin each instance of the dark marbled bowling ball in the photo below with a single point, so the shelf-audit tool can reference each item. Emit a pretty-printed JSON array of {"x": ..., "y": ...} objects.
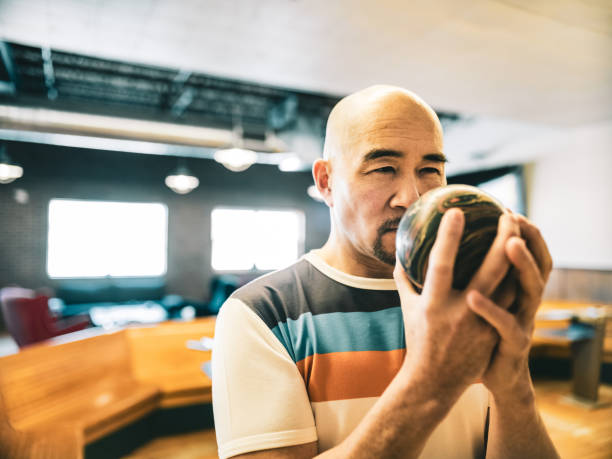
[{"x": 418, "y": 228}]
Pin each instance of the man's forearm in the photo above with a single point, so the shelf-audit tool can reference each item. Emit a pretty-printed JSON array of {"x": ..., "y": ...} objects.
[
  {"x": 516, "y": 429},
  {"x": 400, "y": 422}
]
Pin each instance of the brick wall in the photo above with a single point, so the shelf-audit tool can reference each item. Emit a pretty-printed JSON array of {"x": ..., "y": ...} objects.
[
  {"x": 58, "y": 172},
  {"x": 580, "y": 285}
]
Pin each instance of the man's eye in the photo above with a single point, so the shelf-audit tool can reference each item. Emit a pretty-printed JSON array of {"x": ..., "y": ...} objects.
[
  {"x": 430, "y": 170},
  {"x": 385, "y": 170}
]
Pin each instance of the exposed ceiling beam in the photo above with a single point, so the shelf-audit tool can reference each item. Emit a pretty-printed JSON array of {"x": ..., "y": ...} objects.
[
  {"x": 7, "y": 86},
  {"x": 49, "y": 73}
]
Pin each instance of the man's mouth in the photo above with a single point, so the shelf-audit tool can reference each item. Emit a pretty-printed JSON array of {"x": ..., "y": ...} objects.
[{"x": 390, "y": 226}]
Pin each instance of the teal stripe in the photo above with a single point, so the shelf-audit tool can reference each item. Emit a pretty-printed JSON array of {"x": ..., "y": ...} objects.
[{"x": 381, "y": 330}]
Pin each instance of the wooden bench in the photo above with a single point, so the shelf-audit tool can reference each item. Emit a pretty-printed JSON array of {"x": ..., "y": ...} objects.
[{"x": 93, "y": 383}]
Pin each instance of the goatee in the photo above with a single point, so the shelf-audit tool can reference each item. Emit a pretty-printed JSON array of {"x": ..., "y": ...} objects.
[{"x": 379, "y": 251}]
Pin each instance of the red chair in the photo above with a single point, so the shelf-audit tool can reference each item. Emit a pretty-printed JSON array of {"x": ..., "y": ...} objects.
[{"x": 29, "y": 320}]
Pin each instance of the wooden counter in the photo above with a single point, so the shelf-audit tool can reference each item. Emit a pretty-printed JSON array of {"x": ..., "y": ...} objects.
[
  {"x": 59, "y": 395},
  {"x": 551, "y": 318},
  {"x": 578, "y": 331}
]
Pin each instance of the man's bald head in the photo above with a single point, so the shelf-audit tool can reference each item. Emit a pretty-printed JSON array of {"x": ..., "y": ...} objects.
[
  {"x": 371, "y": 109},
  {"x": 383, "y": 149}
]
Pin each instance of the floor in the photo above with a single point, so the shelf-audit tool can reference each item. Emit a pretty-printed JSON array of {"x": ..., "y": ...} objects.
[{"x": 577, "y": 431}]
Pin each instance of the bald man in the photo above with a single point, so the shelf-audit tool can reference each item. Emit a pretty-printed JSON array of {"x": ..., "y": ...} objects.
[{"x": 337, "y": 355}]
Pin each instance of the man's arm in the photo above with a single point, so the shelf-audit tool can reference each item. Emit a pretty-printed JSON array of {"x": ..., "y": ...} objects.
[
  {"x": 449, "y": 349},
  {"x": 305, "y": 451},
  {"x": 516, "y": 429}
]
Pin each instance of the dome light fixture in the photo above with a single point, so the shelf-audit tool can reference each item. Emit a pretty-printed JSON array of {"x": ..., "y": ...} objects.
[
  {"x": 181, "y": 181},
  {"x": 9, "y": 171},
  {"x": 236, "y": 158}
]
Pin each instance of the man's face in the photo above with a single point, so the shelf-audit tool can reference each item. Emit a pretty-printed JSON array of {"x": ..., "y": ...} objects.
[{"x": 387, "y": 163}]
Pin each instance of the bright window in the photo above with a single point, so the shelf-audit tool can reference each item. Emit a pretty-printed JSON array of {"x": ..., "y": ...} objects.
[
  {"x": 244, "y": 239},
  {"x": 507, "y": 189},
  {"x": 101, "y": 238}
]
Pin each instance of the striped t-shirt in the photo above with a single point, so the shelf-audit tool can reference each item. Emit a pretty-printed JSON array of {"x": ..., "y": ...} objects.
[{"x": 302, "y": 354}]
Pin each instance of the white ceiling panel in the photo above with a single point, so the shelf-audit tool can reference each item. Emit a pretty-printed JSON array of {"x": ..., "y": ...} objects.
[{"x": 545, "y": 61}]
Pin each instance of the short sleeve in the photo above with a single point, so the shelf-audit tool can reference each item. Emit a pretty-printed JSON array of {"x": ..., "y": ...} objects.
[{"x": 259, "y": 397}]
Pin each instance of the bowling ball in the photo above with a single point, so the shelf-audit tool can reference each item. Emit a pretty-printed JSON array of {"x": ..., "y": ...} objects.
[{"x": 418, "y": 228}]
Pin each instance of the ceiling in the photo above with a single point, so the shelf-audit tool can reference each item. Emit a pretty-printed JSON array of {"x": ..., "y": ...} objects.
[
  {"x": 546, "y": 61},
  {"x": 509, "y": 68}
]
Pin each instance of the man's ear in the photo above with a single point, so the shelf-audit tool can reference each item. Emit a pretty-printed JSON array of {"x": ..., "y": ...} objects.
[{"x": 321, "y": 172}]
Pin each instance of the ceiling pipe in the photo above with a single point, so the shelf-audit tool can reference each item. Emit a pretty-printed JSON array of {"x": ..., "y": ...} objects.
[{"x": 80, "y": 124}]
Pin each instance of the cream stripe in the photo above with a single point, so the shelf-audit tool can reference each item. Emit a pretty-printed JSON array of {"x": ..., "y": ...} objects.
[
  {"x": 348, "y": 279},
  {"x": 335, "y": 420}
]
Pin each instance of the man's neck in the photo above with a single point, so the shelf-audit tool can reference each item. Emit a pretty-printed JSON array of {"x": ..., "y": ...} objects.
[{"x": 347, "y": 260}]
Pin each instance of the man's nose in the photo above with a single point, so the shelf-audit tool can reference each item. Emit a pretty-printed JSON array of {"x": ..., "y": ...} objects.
[{"x": 405, "y": 195}]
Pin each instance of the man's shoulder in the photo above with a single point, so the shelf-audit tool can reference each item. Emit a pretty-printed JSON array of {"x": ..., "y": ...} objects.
[
  {"x": 305, "y": 288},
  {"x": 282, "y": 294},
  {"x": 279, "y": 279}
]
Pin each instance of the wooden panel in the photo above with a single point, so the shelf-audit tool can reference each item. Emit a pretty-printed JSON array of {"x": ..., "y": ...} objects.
[
  {"x": 124, "y": 403},
  {"x": 588, "y": 286},
  {"x": 57, "y": 443},
  {"x": 85, "y": 384},
  {"x": 159, "y": 355},
  {"x": 37, "y": 378}
]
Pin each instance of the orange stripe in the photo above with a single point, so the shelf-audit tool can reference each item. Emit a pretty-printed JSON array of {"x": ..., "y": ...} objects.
[{"x": 345, "y": 375}]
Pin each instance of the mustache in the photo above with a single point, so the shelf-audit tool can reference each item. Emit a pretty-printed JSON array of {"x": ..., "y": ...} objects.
[{"x": 388, "y": 225}]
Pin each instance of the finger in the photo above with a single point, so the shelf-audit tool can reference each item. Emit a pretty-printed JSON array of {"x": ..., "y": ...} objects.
[
  {"x": 439, "y": 277},
  {"x": 530, "y": 278},
  {"x": 404, "y": 286},
  {"x": 537, "y": 246},
  {"x": 496, "y": 264},
  {"x": 506, "y": 293},
  {"x": 504, "y": 322}
]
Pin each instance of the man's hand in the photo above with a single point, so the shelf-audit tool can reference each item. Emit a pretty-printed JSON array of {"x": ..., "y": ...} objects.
[
  {"x": 508, "y": 371},
  {"x": 447, "y": 345},
  {"x": 516, "y": 429}
]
